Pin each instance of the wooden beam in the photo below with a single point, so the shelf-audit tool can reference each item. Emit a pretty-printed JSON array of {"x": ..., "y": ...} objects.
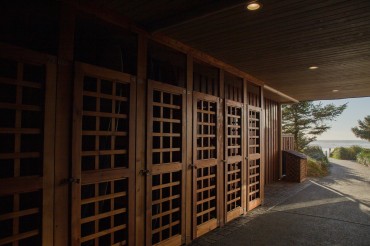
[
  {"x": 279, "y": 93},
  {"x": 204, "y": 57},
  {"x": 49, "y": 156},
  {"x": 222, "y": 164},
  {"x": 140, "y": 138},
  {"x": 189, "y": 176},
  {"x": 262, "y": 146},
  {"x": 245, "y": 146},
  {"x": 63, "y": 124},
  {"x": 280, "y": 117}
]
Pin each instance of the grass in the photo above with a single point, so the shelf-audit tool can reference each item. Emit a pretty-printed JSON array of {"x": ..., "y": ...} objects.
[
  {"x": 348, "y": 153},
  {"x": 355, "y": 153},
  {"x": 364, "y": 157},
  {"x": 316, "y": 168},
  {"x": 317, "y": 162}
]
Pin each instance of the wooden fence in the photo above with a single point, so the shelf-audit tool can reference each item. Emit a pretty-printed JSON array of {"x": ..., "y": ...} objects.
[{"x": 287, "y": 142}]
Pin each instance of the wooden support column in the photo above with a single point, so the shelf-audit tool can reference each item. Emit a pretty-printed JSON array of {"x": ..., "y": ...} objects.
[
  {"x": 280, "y": 148},
  {"x": 262, "y": 146},
  {"x": 245, "y": 148},
  {"x": 221, "y": 135},
  {"x": 189, "y": 151},
  {"x": 140, "y": 139},
  {"x": 67, "y": 16}
]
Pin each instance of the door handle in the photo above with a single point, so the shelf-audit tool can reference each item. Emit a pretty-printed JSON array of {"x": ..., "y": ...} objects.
[
  {"x": 192, "y": 166},
  {"x": 73, "y": 180},
  {"x": 145, "y": 172}
]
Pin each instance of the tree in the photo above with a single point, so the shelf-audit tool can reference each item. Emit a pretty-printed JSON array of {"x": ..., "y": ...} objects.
[
  {"x": 307, "y": 120},
  {"x": 363, "y": 129}
]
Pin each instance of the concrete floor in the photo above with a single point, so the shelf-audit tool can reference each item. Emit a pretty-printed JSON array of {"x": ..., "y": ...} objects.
[{"x": 334, "y": 210}]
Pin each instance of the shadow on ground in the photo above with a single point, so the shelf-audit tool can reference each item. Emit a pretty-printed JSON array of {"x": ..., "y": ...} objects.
[{"x": 330, "y": 211}]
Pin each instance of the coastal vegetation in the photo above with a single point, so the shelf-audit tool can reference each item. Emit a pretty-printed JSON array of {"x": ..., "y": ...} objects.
[
  {"x": 363, "y": 129},
  {"x": 354, "y": 153},
  {"x": 317, "y": 162},
  {"x": 307, "y": 120}
]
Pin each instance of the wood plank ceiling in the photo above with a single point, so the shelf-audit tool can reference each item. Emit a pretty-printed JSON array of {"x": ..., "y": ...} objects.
[{"x": 277, "y": 44}]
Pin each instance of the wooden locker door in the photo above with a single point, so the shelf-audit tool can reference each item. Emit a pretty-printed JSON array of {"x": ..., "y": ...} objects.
[
  {"x": 166, "y": 143},
  {"x": 206, "y": 157},
  {"x": 27, "y": 104},
  {"x": 254, "y": 167},
  {"x": 234, "y": 158},
  {"x": 103, "y": 176}
]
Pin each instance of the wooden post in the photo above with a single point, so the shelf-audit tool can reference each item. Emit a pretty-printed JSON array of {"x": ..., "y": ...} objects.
[
  {"x": 280, "y": 141},
  {"x": 221, "y": 135},
  {"x": 262, "y": 146},
  {"x": 245, "y": 146},
  {"x": 189, "y": 157},
  {"x": 63, "y": 110},
  {"x": 140, "y": 139}
]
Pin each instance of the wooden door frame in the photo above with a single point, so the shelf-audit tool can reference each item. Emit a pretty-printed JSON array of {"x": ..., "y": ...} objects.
[
  {"x": 149, "y": 172},
  {"x": 252, "y": 157},
  {"x": 82, "y": 69},
  {"x": 195, "y": 163},
  {"x": 46, "y": 181},
  {"x": 234, "y": 214}
]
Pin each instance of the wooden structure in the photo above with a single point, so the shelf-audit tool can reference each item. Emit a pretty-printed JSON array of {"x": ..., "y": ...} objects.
[
  {"x": 114, "y": 135},
  {"x": 296, "y": 166},
  {"x": 287, "y": 142}
]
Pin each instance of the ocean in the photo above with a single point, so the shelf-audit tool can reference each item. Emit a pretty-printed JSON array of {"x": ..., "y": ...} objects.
[{"x": 327, "y": 145}]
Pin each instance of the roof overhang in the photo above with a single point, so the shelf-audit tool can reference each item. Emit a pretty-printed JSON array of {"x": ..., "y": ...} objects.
[{"x": 276, "y": 44}]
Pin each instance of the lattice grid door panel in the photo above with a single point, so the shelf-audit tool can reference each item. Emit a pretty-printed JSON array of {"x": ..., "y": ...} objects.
[
  {"x": 103, "y": 166},
  {"x": 234, "y": 158},
  {"x": 206, "y": 158},
  {"x": 27, "y": 94},
  {"x": 165, "y": 163},
  {"x": 254, "y": 157}
]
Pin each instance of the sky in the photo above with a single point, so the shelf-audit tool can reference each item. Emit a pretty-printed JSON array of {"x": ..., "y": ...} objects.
[{"x": 357, "y": 109}]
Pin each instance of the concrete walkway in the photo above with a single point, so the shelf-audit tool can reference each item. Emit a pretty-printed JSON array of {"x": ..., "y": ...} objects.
[{"x": 334, "y": 210}]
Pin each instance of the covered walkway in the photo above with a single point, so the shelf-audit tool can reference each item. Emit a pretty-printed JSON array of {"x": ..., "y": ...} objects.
[{"x": 331, "y": 211}]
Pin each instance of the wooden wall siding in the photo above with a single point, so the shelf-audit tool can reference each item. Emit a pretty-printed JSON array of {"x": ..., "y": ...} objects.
[
  {"x": 255, "y": 161},
  {"x": 272, "y": 138},
  {"x": 254, "y": 95},
  {"x": 27, "y": 101},
  {"x": 119, "y": 167},
  {"x": 166, "y": 141},
  {"x": 234, "y": 158},
  {"x": 206, "y": 156},
  {"x": 206, "y": 79},
  {"x": 233, "y": 88},
  {"x": 166, "y": 65},
  {"x": 103, "y": 192},
  {"x": 287, "y": 142},
  {"x": 104, "y": 45}
]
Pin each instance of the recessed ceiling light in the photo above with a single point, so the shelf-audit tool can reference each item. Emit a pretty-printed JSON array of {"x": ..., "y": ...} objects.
[
  {"x": 335, "y": 91},
  {"x": 313, "y": 67},
  {"x": 253, "y": 5}
]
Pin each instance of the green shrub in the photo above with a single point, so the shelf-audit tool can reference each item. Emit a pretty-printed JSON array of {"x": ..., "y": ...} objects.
[
  {"x": 356, "y": 149},
  {"x": 316, "y": 153},
  {"x": 342, "y": 153},
  {"x": 316, "y": 168},
  {"x": 364, "y": 157},
  {"x": 317, "y": 162}
]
